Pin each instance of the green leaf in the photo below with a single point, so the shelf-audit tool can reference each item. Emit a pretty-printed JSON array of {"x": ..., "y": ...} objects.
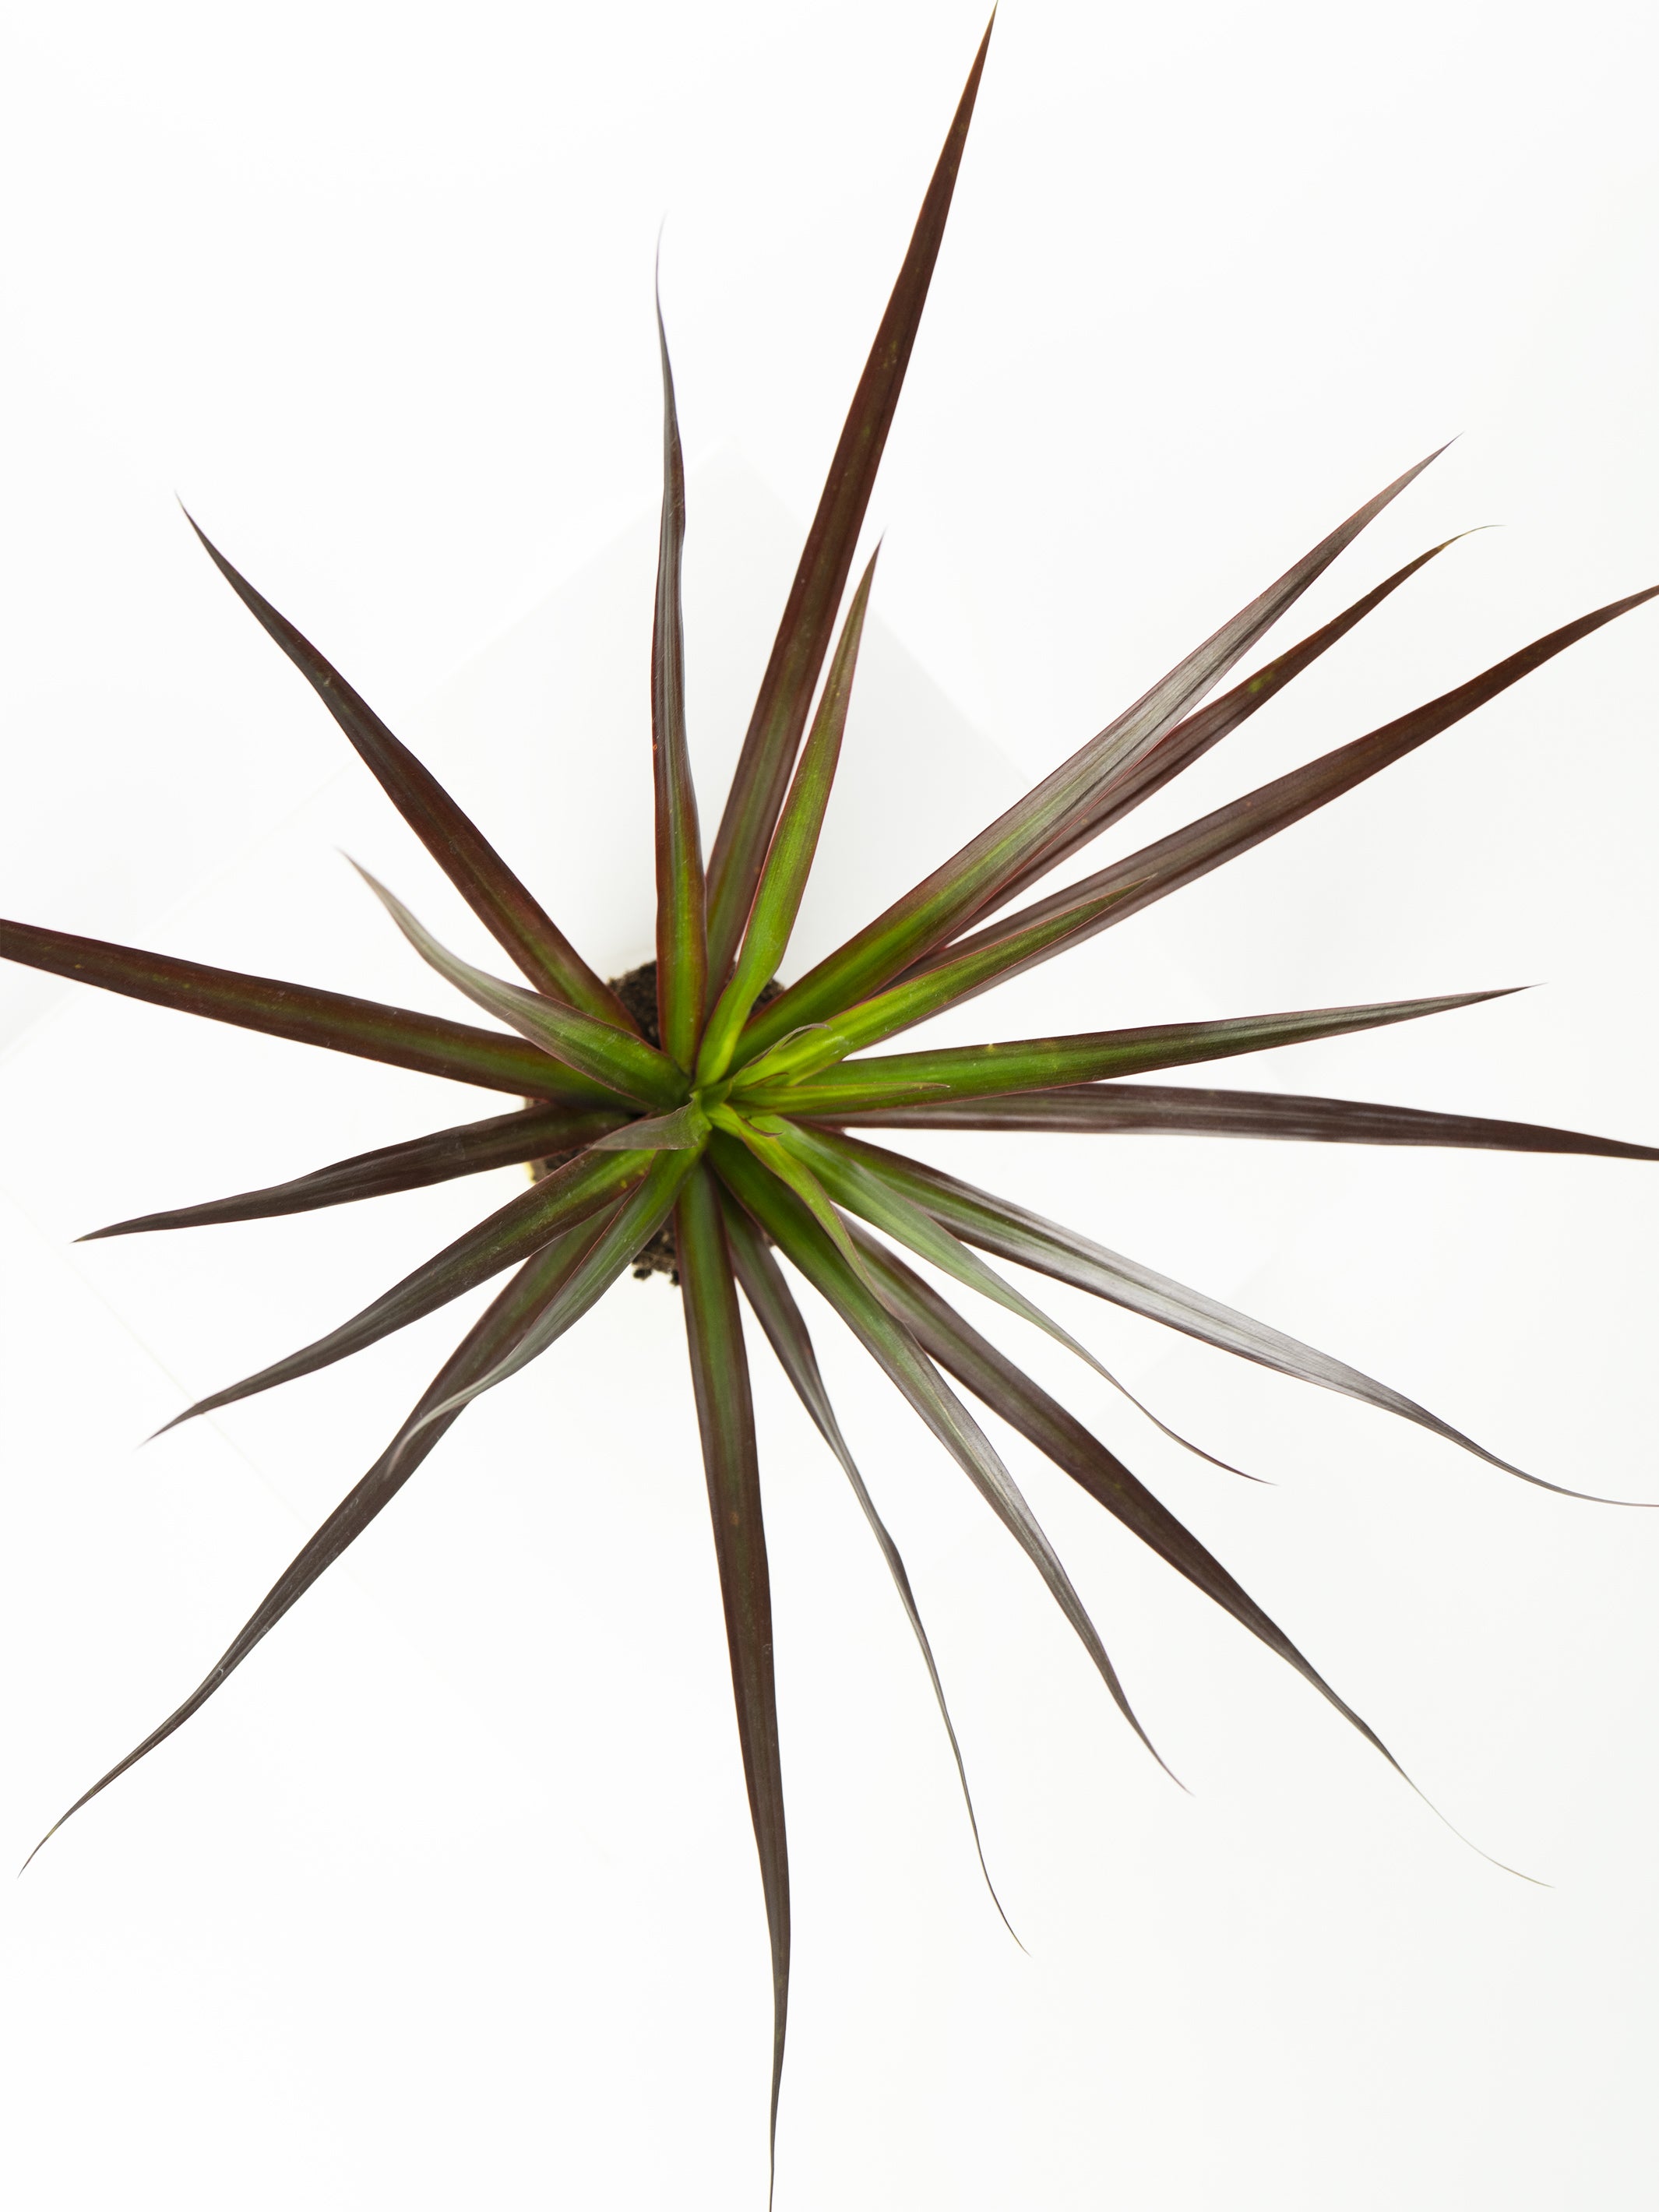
[
  {"x": 780, "y": 1317},
  {"x": 997, "y": 1383},
  {"x": 591, "y": 1184},
  {"x": 483, "y": 879},
  {"x": 845, "y": 1179},
  {"x": 682, "y": 949},
  {"x": 616, "y": 1057},
  {"x": 945, "y": 902},
  {"x": 1013, "y": 1233},
  {"x": 793, "y": 1228},
  {"x": 492, "y": 1336},
  {"x": 786, "y": 693},
  {"x": 1042, "y": 1063},
  {"x": 681, "y": 1131},
  {"x": 1168, "y": 1109},
  {"x": 615, "y": 1242},
  {"x": 454, "y": 1050},
  {"x": 770, "y": 1145},
  {"x": 1116, "y": 892},
  {"x": 726, "y": 1419},
  {"x": 507, "y": 1140},
  {"x": 777, "y": 902},
  {"x": 1189, "y": 740}
]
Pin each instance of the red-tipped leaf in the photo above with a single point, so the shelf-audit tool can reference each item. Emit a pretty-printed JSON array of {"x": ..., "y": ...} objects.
[
  {"x": 454, "y": 1050},
  {"x": 483, "y": 879},
  {"x": 681, "y": 947},
  {"x": 779, "y": 714},
  {"x": 726, "y": 1421}
]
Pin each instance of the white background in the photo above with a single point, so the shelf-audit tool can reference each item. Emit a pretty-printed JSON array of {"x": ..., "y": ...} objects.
[{"x": 449, "y": 1898}]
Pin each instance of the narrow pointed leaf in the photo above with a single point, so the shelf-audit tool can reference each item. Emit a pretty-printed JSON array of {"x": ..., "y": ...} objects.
[
  {"x": 590, "y": 1184},
  {"x": 1042, "y": 1063},
  {"x": 681, "y": 1131},
  {"x": 1168, "y": 1109},
  {"x": 454, "y": 1050},
  {"x": 777, "y": 902},
  {"x": 793, "y": 1228},
  {"x": 768, "y": 1142},
  {"x": 943, "y": 903},
  {"x": 615, "y": 1242},
  {"x": 769, "y": 748},
  {"x": 1025, "y": 1405},
  {"x": 489, "y": 1338},
  {"x": 618, "y": 1058},
  {"x": 538, "y": 1133},
  {"x": 1112, "y": 896},
  {"x": 1013, "y": 1233},
  {"x": 1190, "y": 740},
  {"x": 682, "y": 949},
  {"x": 725, "y": 1419},
  {"x": 483, "y": 879},
  {"x": 850, "y": 1184},
  {"x": 774, "y": 1307}
]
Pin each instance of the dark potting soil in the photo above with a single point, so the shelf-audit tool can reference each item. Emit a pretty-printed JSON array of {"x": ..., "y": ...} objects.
[{"x": 637, "y": 990}]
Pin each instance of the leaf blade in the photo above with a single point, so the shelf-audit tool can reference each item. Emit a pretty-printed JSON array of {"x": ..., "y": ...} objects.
[
  {"x": 785, "y": 1219},
  {"x": 473, "y": 1148},
  {"x": 495, "y": 1332},
  {"x": 803, "y": 633},
  {"x": 935, "y": 910},
  {"x": 998, "y": 1382},
  {"x": 1046, "y": 1063},
  {"x": 789, "y": 857},
  {"x": 301, "y": 1013},
  {"x": 1128, "y": 885},
  {"x": 620, "y": 1059},
  {"x": 1189, "y": 740},
  {"x": 1170, "y": 1109},
  {"x": 682, "y": 945},
  {"x": 587, "y": 1185},
  {"x": 506, "y": 909},
  {"x": 1013, "y": 1232},
  {"x": 774, "y": 1307},
  {"x": 726, "y": 1421},
  {"x": 849, "y": 1184},
  {"x": 615, "y": 1244}
]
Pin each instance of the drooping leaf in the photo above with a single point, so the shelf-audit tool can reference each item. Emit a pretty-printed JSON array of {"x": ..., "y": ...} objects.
[
  {"x": 431, "y": 1046},
  {"x": 483, "y": 879},
  {"x": 846, "y": 1181},
  {"x": 506, "y": 1140},
  {"x": 1030, "y": 934},
  {"x": 1168, "y": 1109},
  {"x": 1042, "y": 1063},
  {"x": 995, "y": 1224},
  {"x": 769, "y": 748},
  {"x": 681, "y": 946},
  {"x": 616, "y": 1241},
  {"x": 785, "y": 1219},
  {"x": 591, "y": 1183},
  {"x": 1025, "y": 1405},
  {"x": 485, "y": 1343},
  {"x": 777, "y": 902},
  {"x": 944, "y": 902},
  {"x": 1189, "y": 740},
  {"x": 767, "y": 1140},
  {"x": 726, "y": 1419},
  {"x": 775, "y": 1309},
  {"x": 619, "y": 1058}
]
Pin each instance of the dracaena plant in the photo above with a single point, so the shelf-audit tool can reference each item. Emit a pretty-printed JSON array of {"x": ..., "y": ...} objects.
[{"x": 698, "y": 1101}]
